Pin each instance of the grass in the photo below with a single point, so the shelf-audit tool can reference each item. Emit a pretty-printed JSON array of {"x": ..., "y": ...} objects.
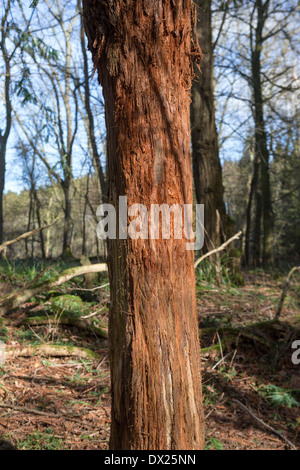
[{"x": 18, "y": 271}]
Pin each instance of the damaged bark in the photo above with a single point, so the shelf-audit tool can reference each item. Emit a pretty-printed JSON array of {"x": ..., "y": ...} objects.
[{"x": 142, "y": 52}]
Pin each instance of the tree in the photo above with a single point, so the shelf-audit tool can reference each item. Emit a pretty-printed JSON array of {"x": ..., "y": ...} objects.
[
  {"x": 4, "y": 134},
  {"x": 259, "y": 55},
  {"x": 30, "y": 178},
  {"x": 13, "y": 28},
  {"x": 261, "y": 146},
  {"x": 59, "y": 111},
  {"x": 90, "y": 124},
  {"x": 142, "y": 51},
  {"x": 206, "y": 163}
]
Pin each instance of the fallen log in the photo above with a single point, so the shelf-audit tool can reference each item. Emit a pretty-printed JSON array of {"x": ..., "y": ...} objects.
[
  {"x": 51, "y": 350},
  {"x": 12, "y": 301}
]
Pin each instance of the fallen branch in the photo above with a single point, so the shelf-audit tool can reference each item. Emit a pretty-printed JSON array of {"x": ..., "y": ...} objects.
[
  {"x": 221, "y": 248},
  {"x": 23, "y": 409},
  {"x": 28, "y": 234},
  {"x": 222, "y": 360},
  {"x": 284, "y": 291},
  {"x": 289, "y": 443},
  {"x": 52, "y": 350},
  {"x": 13, "y": 300},
  {"x": 215, "y": 406},
  {"x": 68, "y": 320},
  {"x": 80, "y": 289}
]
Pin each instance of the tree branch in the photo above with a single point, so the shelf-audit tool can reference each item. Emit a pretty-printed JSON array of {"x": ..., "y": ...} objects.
[{"x": 221, "y": 248}]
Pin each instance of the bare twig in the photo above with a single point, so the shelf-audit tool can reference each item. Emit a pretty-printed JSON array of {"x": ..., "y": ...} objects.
[
  {"x": 284, "y": 291},
  {"x": 90, "y": 290},
  {"x": 93, "y": 314},
  {"x": 27, "y": 235},
  {"x": 220, "y": 344},
  {"x": 215, "y": 406},
  {"x": 222, "y": 360},
  {"x": 267, "y": 426},
  {"x": 221, "y": 248}
]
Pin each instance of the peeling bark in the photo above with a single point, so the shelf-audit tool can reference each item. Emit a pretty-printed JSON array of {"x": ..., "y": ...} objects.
[{"x": 142, "y": 51}]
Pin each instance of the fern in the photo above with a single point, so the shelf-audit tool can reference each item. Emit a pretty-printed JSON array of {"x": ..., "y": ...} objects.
[{"x": 278, "y": 396}]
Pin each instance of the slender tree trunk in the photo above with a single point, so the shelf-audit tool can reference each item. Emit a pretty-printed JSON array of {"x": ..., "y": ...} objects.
[
  {"x": 5, "y": 135},
  {"x": 83, "y": 249},
  {"x": 48, "y": 220},
  {"x": 257, "y": 228},
  {"x": 262, "y": 151},
  {"x": 38, "y": 216},
  {"x": 2, "y": 183},
  {"x": 143, "y": 61},
  {"x": 33, "y": 226},
  {"x": 67, "y": 234},
  {"x": 261, "y": 147},
  {"x": 91, "y": 126},
  {"x": 206, "y": 163},
  {"x": 253, "y": 189},
  {"x": 29, "y": 221}
]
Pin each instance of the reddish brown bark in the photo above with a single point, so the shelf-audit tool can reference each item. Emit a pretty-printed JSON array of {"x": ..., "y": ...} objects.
[{"x": 142, "y": 53}]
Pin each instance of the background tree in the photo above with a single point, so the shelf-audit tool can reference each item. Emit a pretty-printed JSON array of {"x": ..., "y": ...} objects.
[
  {"x": 266, "y": 78},
  {"x": 207, "y": 168}
]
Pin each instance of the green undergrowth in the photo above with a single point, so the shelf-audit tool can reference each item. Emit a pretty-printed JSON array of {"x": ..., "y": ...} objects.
[
  {"x": 45, "y": 440},
  {"x": 278, "y": 396},
  {"x": 24, "y": 271},
  {"x": 214, "y": 444}
]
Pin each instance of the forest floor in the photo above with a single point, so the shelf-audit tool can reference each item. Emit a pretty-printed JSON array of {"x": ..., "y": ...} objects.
[{"x": 251, "y": 386}]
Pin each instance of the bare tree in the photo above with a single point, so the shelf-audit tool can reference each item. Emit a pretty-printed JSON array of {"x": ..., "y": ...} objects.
[
  {"x": 206, "y": 163},
  {"x": 4, "y": 133}
]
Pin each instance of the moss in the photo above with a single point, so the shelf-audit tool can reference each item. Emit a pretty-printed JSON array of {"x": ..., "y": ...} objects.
[
  {"x": 68, "y": 253},
  {"x": 216, "y": 347},
  {"x": 74, "y": 349},
  {"x": 234, "y": 267},
  {"x": 68, "y": 304}
]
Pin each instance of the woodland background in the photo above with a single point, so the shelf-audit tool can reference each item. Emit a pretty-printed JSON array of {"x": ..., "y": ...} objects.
[{"x": 53, "y": 128}]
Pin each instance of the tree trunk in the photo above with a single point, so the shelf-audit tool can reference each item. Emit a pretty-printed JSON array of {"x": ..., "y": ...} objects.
[
  {"x": 143, "y": 54},
  {"x": 261, "y": 147},
  {"x": 67, "y": 234},
  {"x": 257, "y": 228},
  {"x": 206, "y": 163},
  {"x": 253, "y": 189},
  {"x": 4, "y": 137},
  {"x": 38, "y": 216},
  {"x": 2, "y": 182},
  {"x": 29, "y": 220},
  {"x": 91, "y": 126}
]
